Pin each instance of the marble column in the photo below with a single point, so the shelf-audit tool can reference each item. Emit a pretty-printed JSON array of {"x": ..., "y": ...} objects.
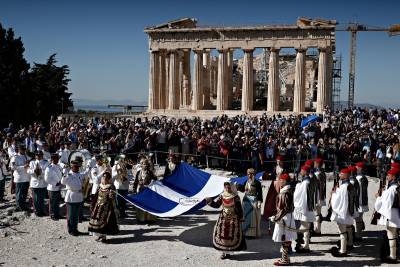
[
  {"x": 299, "y": 92},
  {"x": 229, "y": 77},
  {"x": 329, "y": 77},
  {"x": 197, "y": 87},
  {"x": 161, "y": 81},
  {"x": 173, "y": 86},
  {"x": 273, "y": 81},
  {"x": 180, "y": 78},
  {"x": 222, "y": 97},
  {"x": 166, "y": 70},
  {"x": 248, "y": 82},
  {"x": 153, "y": 81},
  {"x": 322, "y": 81},
  {"x": 186, "y": 77},
  {"x": 206, "y": 80}
]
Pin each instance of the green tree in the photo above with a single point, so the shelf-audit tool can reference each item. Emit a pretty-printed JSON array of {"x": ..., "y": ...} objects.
[
  {"x": 49, "y": 85},
  {"x": 13, "y": 77},
  {"x": 28, "y": 94}
]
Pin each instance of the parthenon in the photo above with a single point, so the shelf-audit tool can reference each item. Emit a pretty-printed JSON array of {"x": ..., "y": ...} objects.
[{"x": 174, "y": 88}]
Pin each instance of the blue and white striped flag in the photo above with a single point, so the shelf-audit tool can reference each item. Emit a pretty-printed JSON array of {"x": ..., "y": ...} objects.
[{"x": 183, "y": 191}]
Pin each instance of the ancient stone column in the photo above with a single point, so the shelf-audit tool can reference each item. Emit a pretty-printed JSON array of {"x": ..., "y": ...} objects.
[
  {"x": 247, "y": 86},
  {"x": 206, "y": 80},
  {"x": 329, "y": 77},
  {"x": 161, "y": 81},
  {"x": 173, "y": 87},
  {"x": 222, "y": 97},
  {"x": 180, "y": 78},
  {"x": 186, "y": 77},
  {"x": 273, "y": 81},
  {"x": 299, "y": 92},
  {"x": 229, "y": 76},
  {"x": 166, "y": 80},
  {"x": 197, "y": 87},
  {"x": 322, "y": 81},
  {"x": 153, "y": 81}
]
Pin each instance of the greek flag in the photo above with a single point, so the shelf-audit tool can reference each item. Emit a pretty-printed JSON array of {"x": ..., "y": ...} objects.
[{"x": 181, "y": 192}]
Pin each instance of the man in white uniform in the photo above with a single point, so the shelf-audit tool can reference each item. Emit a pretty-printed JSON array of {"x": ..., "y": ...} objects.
[
  {"x": 38, "y": 185},
  {"x": 53, "y": 175},
  {"x": 388, "y": 206},
  {"x": 74, "y": 197},
  {"x": 305, "y": 199},
  {"x": 20, "y": 164},
  {"x": 342, "y": 210}
]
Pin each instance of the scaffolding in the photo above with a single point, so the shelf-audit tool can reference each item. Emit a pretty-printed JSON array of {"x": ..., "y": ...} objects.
[{"x": 336, "y": 81}]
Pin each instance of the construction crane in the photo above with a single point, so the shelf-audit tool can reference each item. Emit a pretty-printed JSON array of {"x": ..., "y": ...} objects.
[{"x": 353, "y": 28}]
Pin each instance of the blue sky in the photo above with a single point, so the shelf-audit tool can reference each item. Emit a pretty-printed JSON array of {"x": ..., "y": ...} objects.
[{"x": 107, "y": 51}]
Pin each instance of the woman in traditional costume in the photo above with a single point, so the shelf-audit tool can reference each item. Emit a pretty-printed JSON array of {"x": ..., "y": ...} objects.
[
  {"x": 104, "y": 217},
  {"x": 228, "y": 236},
  {"x": 252, "y": 201}
]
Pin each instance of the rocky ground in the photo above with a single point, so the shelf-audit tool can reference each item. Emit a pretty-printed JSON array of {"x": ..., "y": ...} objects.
[{"x": 182, "y": 241}]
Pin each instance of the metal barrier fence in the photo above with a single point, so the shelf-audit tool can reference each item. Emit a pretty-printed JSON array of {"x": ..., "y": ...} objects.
[{"x": 240, "y": 165}]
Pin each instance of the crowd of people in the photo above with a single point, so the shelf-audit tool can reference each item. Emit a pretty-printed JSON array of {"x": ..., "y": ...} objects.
[{"x": 119, "y": 155}]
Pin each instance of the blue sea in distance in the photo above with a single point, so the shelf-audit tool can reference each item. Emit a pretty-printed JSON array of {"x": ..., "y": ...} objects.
[{"x": 104, "y": 108}]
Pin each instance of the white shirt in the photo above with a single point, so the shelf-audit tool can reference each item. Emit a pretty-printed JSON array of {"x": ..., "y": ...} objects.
[
  {"x": 384, "y": 206},
  {"x": 37, "y": 181},
  {"x": 340, "y": 206},
  {"x": 301, "y": 211},
  {"x": 96, "y": 174},
  {"x": 64, "y": 155},
  {"x": 74, "y": 181},
  {"x": 3, "y": 168},
  {"x": 53, "y": 175},
  {"x": 17, "y": 164},
  {"x": 118, "y": 185}
]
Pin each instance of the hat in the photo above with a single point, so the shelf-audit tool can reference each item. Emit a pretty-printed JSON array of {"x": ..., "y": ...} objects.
[
  {"x": 318, "y": 160},
  {"x": 284, "y": 176},
  {"x": 279, "y": 157},
  {"x": 305, "y": 168},
  {"x": 352, "y": 168},
  {"x": 393, "y": 171},
  {"x": 345, "y": 171},
  {"x": 309, "y": 163},
  {"x": 360, "y": 164},
  {"x": 395, "y": 165}
]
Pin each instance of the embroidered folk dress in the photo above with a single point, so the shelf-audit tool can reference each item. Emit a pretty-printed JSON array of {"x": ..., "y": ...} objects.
[
  {"x": 103, "y": 219},
  {"x": 228, "y": 234}
]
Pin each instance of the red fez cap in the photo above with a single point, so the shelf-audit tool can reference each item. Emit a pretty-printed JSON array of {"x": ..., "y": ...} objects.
[
  {"x": 279, "y": 157},
  {"x": 284, "y": 176},
  {"x": 352, "y": 168},
  {"x": 305, "y": 168},
  {"x": 360, "y": 164},
  {"x": 393, "y": 171},
  {"x": 309, "y": 163},
  {"x": 318, "y": 160},
  {"x": 345, "y": 171},
  {"x": 395, "y": 165}
]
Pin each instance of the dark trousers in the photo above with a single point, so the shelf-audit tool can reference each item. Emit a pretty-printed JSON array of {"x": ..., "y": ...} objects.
[
  {"x": 38, "y": 196},
  {"x": 21, "y": 192},
  {"x": 54, "y": 203},
  {"x": 121, "y": 202},
  {"x": 81, "y": 210},
  {"x": 2, "y": 187},
  {"x": 73, "y": 216}
]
